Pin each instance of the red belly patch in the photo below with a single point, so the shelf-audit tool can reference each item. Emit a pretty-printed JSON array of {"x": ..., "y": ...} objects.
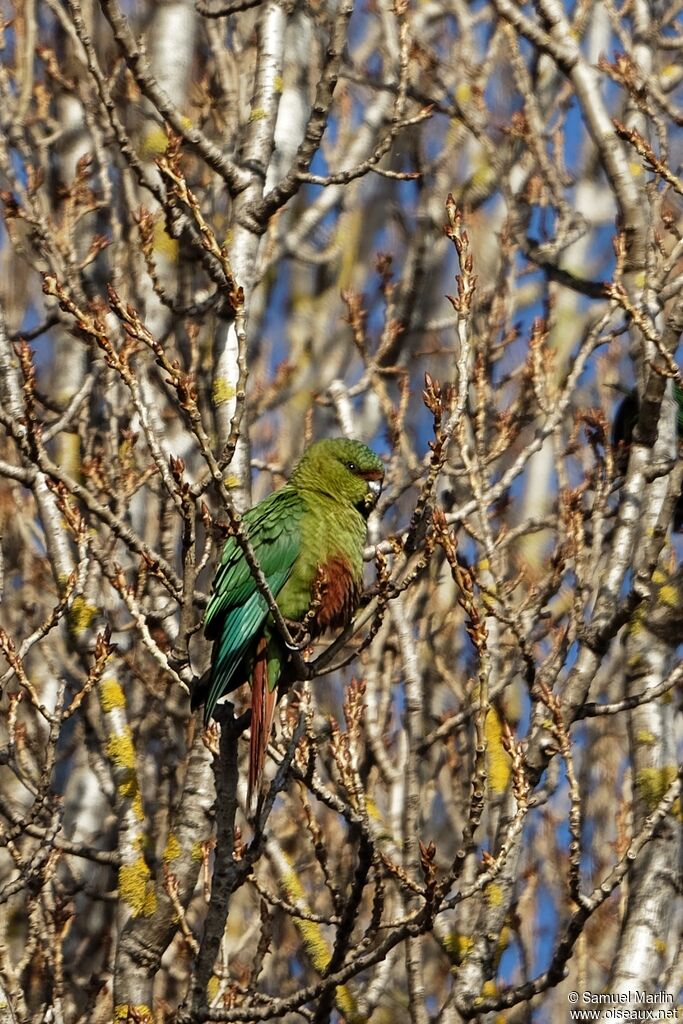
[{"x": 334, "y": 595}]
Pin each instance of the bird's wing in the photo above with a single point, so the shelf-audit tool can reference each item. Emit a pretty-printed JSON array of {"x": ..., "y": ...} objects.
[{"x": 237, "y": 610}]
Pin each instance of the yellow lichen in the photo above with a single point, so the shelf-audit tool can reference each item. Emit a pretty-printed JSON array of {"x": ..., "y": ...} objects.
[
  {"x": 463, "y": 93},
  {"x": 128, "y": 786},
  {"x": 482, "y": 178},
  {"x": 669, "y": 595},
  {"x": 498, "y": 759},
  {"x": 278, "y": 83},
  {"x": 81, "y": 615},
  {"x": 212, "y": 987},
  {"x": 319, "y": 952},
  {"x": 222, "y": 391},
  {"x": 458, "y": 946},
  {"x": 372, "y": 809},
  {"x": 258, "y": 114},
  {"x": 164, "y": 244},
  {"x": 481, "y": 181},
  {"x": 646, "y": 738},
  {"x": 155, "y": 141},
  {"x": 121, "y": 751},
  {"x": 197, "y": 851},
  {"x": 111, "y": 694},
  {"x": 136, "y": 888},
  {"x": 315, "y": 943},
  {"x": 493, "y": 894},
  {"x": 652, "y": 783},
  {"x": 488, "y": 990},
  {"x": 173, "y": 848},
  {"x": 127, "y": 1013},
  {"x": 292, "y": 886},
  {"x": 137, "y": 803},
  {"x": 347, "y": 1007}
]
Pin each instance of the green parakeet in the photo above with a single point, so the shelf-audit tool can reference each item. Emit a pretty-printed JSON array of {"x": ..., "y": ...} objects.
[{"x": 308, "y": 538}]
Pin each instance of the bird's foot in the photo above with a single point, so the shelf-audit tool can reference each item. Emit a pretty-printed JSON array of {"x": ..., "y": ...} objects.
[{"x": 299, "y": 633}]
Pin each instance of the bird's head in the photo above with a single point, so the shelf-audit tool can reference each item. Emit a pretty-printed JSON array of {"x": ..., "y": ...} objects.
[{"x": 343, "y": 469}]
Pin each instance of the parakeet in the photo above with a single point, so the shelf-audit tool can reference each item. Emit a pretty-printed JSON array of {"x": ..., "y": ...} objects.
[
  {"x": 622, "y": 432},
  {"x": 308, "y": 538}
]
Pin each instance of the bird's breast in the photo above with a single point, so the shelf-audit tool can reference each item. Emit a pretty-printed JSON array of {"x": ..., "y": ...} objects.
[{"x": 334, "y": 594}]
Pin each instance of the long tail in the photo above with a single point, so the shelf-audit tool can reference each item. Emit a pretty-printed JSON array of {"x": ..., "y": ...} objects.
[{"x": 263, "y": 701}]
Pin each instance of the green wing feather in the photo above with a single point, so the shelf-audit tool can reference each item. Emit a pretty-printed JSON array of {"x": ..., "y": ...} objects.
[{"x": 237, "y": 611}]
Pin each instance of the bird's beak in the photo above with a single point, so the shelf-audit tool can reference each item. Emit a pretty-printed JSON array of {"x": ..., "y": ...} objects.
[{"x": 373, "y": 493}]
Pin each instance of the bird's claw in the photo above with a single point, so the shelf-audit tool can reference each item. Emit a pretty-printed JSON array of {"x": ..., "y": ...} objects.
[
  {"x": 298, "y": 634},
  {"x": 294, "y": 648}
]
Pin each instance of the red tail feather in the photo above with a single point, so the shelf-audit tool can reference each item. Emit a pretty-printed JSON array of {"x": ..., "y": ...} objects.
[{"x": 263, "y": 702}]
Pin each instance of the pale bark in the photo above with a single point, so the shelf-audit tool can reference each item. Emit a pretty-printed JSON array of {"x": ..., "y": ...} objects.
[{"x": 223, "y": 237}]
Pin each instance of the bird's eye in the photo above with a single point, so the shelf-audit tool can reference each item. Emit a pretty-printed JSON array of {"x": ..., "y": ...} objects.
[{"x": 352, "y": 466}]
